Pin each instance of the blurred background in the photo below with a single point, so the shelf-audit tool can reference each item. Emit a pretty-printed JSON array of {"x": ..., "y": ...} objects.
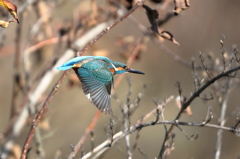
[{"x": 197, "y": 29}]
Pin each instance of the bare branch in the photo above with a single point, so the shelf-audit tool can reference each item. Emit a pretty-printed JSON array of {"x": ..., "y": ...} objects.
[
  {"x": 204, "y": 65},
  {"x": 40, "y": 114},
  {"x": 223, "y": 52},
  {"x": 189, "y": 101},
  {"x": 192, "y": 137},
  {"x": 143, "y": 153},
  {"x": 222, "y": 121}
]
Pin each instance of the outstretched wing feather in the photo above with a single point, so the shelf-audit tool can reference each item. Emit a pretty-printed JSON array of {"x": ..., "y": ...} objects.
[{"x": 97, "y": 86}]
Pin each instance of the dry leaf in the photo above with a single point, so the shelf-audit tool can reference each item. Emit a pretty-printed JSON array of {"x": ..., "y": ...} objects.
[
  {"x": 5, "y": 24},
  {"x": 10, "y": 7},
  {"x": 129, "y": 4},
  {"x": 15, "y": 152},
  {"x": 179, "y": 100},
  {"x": 94, "y": 14},
  {"x": 167, "y": 35},
  {"x": 157, "y": 1},
  {"x": 187, "y": 4},
  {"x": 180, "y": 5},
  {"x": 188, "y": 111},
  {"x": 152, "y": 15},
  {"x": 44, "y": 124},
  {"x": 43, "y": 11}
]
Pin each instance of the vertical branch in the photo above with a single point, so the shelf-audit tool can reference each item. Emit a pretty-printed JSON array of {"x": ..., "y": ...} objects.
[
  {"x": 85, "y": 135},
  {"x": 126, "y": 120},
  {"x": 40, "y": 114},
  {"x": 18, "y": 123},
  {"x": 223, "y": 52},
  {"x": 39, "y": 145},
  {"x": 222, "y": 121},
  {"x": 131, "y": 58},
  {"x": 17, "y": 81},
  {"x": 97, "y": 115}
]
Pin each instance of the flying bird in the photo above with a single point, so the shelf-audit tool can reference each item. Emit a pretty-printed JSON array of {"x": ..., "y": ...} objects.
[{"x": 96, "y": 75}]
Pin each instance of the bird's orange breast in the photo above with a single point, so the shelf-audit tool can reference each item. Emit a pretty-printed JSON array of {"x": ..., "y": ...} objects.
[{"x": 114, "y": 71}]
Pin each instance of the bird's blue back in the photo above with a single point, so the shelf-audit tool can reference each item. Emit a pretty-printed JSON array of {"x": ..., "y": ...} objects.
[
  {"x": 96, "y": 75},
  {"x": 81, "y": 60},
  {"x": 97, "y": 69}
]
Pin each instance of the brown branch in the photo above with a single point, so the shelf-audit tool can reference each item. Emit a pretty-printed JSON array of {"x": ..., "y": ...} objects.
[
  {"x": 40, "y": 114},
  {"x": 189, "y": 101},
  {"x": 54, "y": 90},
  {"x": 17, "y": 79},
  {"x": 117, "y": 136},
  {"x": 130, "y": 59},
  {"x": 16, "y": 125},
  {"x": 85, "y": 135},
  {"x": 139, "y": 3},
  {"x": 116, "y": 83}
]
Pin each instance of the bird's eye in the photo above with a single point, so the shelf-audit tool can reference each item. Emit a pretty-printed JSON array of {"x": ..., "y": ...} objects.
[{"x": 126, "y": 68}]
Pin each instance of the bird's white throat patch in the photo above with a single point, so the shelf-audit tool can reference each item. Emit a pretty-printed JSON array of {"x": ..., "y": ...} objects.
[{"x": 114, "y": 67}]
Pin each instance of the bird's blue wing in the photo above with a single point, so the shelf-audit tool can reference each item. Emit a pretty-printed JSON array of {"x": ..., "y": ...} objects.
[
  {"x": 97, "y": 84},
  {"x": 81, "y": 60}
]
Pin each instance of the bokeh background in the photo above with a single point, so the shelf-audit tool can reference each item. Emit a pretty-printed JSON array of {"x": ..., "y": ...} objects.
[{"x": 197, "y": 29}]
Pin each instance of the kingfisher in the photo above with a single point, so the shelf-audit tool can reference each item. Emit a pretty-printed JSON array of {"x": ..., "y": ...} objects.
[{"x": 96, "y": 75}]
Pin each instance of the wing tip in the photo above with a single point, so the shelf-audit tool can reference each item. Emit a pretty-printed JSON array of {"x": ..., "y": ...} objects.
[
  {"x": 107, "y": 111},
  {"x": 63, "y": 68}
]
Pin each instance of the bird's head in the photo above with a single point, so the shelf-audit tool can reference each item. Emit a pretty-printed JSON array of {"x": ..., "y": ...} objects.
[{"x": 119, "y": 68}]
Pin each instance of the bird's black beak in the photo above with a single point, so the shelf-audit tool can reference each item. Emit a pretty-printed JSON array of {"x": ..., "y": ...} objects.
[{"x": 135, "y": 71}]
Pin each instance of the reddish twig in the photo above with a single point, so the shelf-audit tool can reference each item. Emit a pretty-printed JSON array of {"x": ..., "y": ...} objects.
[
  {"x": 139, "y": 3},
  {"x": 98, "y": 114},
  {"x": 129, "y": 61},
  {"x": 117, "y": 136},
  {"x": 17, "y": 81},
  {"x": 18, "y": 124},
  {"x": 54, "y": 90},
  {"x": 85, "y": 135},
  {"x": 40, "y": 114}
]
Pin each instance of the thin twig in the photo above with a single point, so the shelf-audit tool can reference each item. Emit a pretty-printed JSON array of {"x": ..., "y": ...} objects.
[
  {"x": 106, "y": 144},
  {"x": 85, "y": 135},
  {"x": 166, "y": 50},
  {"x": 139, "y": 3},
  {"x": 17, "y": 78},
  {"x": 126, "y": 120},
  {"x": 189, "y": 101},
  {"x": 204, "y": 65},
  {"x": 142, "y": 153},
  {"x": 18, "y": 121},
  {"x": 83, "y": 138},
  {"x": 40, "y": 114}
]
